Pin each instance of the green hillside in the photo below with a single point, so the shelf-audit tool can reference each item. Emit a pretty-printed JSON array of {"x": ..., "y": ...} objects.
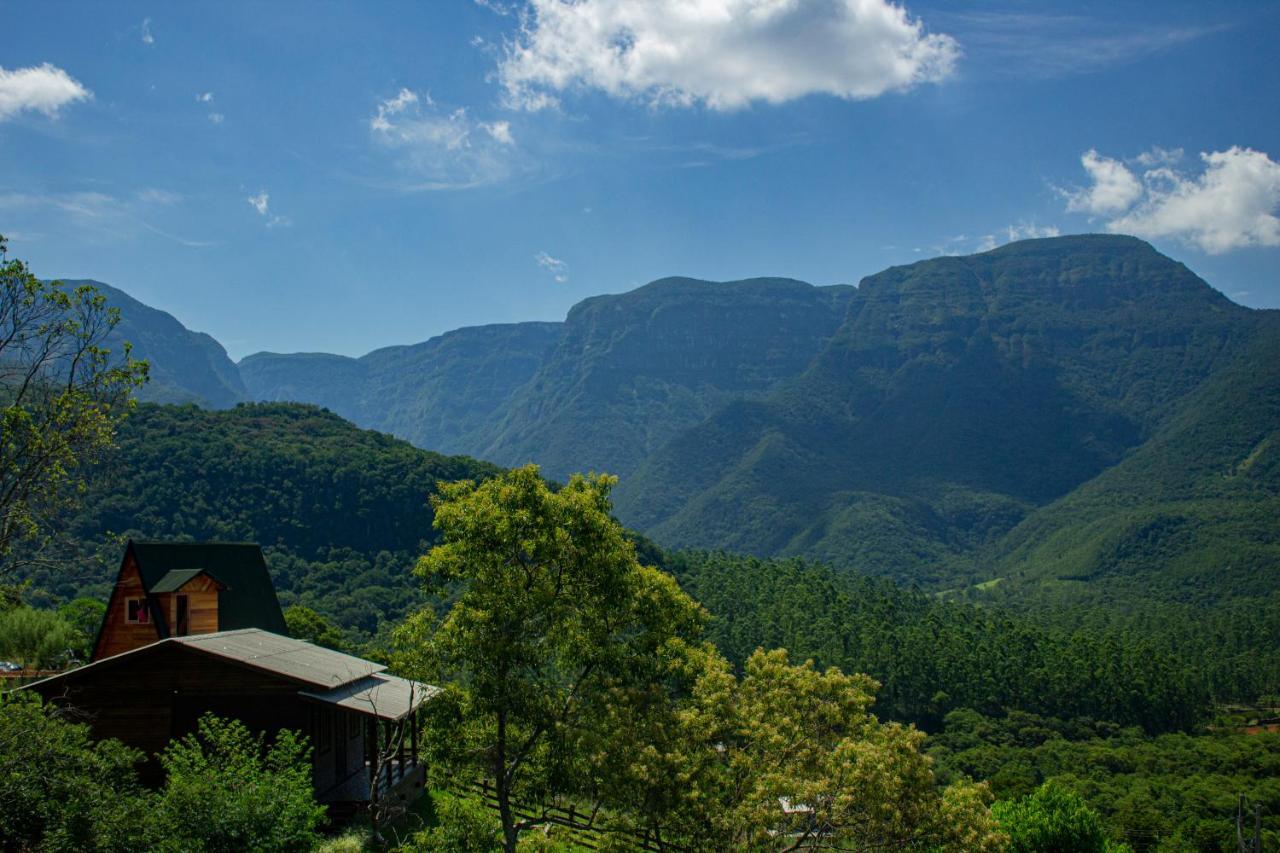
[
  {"x": 630, "y": 372},
  {"x": 439, "y": 394},
  {"x": 1192, "y": 516},
  {"x": 959, "y": 395},
  {"x": 186, "y": 366},
  {"x": 342, "y": 512}
]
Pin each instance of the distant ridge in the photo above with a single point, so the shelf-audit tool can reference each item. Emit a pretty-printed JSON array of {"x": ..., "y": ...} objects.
[{"x": 945, "y": 421}]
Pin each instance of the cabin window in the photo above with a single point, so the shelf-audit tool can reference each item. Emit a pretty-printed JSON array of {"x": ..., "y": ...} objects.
[
  {"x": 353, "y": 726},
  {"x": 135, "y": 610}
]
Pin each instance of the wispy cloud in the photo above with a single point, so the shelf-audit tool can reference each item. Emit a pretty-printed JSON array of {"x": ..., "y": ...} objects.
[
  {"x": 1231, "y": 204},
  {"x": 558, "y": 268},
  {"x": 1054, "y": 45},
  {"x": 147, "y": 37},
  {"x": 688, "y": 52},
  {"x": 103, "y": 215},
  {"x": 437, "y": 149},
  {"x": 40, "y": 88}
]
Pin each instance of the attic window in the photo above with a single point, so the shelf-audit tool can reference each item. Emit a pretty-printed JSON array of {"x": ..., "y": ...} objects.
[{"x": 135, "y": 611}]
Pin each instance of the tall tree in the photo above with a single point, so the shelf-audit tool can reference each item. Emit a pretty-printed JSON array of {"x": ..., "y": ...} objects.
[
  {"x": 555, "y": 621},
  {"x": 62, "y": 393}
]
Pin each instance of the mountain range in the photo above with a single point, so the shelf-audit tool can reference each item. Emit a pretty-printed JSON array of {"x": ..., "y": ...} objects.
[{"x": 1065, "y": 414}]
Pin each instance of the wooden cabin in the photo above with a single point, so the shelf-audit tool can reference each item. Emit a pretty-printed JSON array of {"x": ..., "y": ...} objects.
[
  {"x": 177, "y": 589},
  {"x": 192, "y": 628}
]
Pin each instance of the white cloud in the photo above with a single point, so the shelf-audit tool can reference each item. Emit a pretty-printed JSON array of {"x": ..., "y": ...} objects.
[
  {"x": 1114, "y": 187},
  {"x": 205, "y": 97},
  {"x": 216, "y": 118},
  {"x": 441, "y": 150},
  {"x": 147, "y": 37},
  {"x": 721, "y": 53},
  {"x": 40, "y": 88},
  {"x": 1013, "y": 233},
  {"x": 393, "y": 106},
  {"x": 1232, "y": 204},
  {"x": 558, "y": 268},
  {"x": 260, "y": 202},
  {"x": 499, "y": 130},
  {"x": 1158, "y": 156}
]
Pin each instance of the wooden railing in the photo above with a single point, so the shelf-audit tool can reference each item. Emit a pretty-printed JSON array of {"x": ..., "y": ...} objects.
[{"x": 578, "y": 825}]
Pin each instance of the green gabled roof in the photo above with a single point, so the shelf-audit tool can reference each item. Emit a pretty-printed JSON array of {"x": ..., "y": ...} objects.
[
  {"x": 249, "y": 598},
  {"x": 178, "y": 578}
]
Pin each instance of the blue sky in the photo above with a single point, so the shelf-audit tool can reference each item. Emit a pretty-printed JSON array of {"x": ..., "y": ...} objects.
[{"x": 338, "y": 177}]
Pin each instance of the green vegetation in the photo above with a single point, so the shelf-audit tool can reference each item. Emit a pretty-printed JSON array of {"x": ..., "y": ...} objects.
[
  {"x": 38, "y": 639},
  {"x": 342, "y": 513},
  {"x": 932, "y": 655},
  {"x": 440, "y": 394},
  {"x": 574, "y": 671},
  {"x": 1052, "y": 818},
  {"x": 1171, "y": 791},
  {"x": 62, "y": 395},
  {"x": 225, "y": 790}
]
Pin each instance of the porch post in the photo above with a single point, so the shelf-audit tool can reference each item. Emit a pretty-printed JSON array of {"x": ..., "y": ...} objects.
[{"x": 413, "y": 721}]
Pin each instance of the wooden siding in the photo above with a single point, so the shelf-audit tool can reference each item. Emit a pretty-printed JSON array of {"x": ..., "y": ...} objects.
[
  {"x": 118, "y": 634},
  {"x": 149, "y": 697},
  {"x": 202, "y": 606}
]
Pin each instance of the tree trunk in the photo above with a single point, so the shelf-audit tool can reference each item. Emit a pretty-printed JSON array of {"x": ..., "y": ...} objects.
[{"x": 502, "y": 781}]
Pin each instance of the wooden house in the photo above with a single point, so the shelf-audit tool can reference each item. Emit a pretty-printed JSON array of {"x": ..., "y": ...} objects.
[
  {"x": 176, "y": 589},
  {"x": 159, "y": 664}
]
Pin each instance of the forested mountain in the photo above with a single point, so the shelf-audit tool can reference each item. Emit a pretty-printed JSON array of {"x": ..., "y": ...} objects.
[
  {"x": 441, "y": 394},
  {"x": 960, "y": 394},
  {"x": 632, "y": 371},
  {"x": 342, "y": 512},
  {"x": 186, "y": 366},
  {"x": 1190, "y": 516},
  {"x": 950, "y": 421}
]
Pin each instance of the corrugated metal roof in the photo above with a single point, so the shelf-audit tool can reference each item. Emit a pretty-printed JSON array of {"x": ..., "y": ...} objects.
[
  {"x": 294, "y": 659},
  {"x": 387, "y": 697},
  {"x": 174, "y": 580}
]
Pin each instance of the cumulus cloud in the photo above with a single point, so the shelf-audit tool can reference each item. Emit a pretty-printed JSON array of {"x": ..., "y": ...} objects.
[
  {"x": 40, "y": 88},
  {"x": 439, "y": 149},
  {"x": 558, "y": 268},
  {"x": 721, "y": 53},
  {"x": 205, "y": 97},
  {"x": 1114, "y": 188},
  {"x": 1230, "y": 204}
]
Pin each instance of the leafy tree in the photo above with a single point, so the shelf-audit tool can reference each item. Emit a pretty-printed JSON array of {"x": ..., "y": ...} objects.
[
  {"x": 61, "y": 396},
  {"x": 84, "y": 615},
  {"x": 1052, "y": 819},
  {"x": 807, "y": 764},
  {"x": 37, "y": 639},
  {"x": 555, "y": 620},
  {"x": 465, "y": 825},
  {"x": 59, "y": 789},
  {"x": 306, "y": 624},
  {"x": 225, "y": 790}
]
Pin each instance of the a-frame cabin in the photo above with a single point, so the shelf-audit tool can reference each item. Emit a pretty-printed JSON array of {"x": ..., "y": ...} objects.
[{"x": 176, "y": 589}]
